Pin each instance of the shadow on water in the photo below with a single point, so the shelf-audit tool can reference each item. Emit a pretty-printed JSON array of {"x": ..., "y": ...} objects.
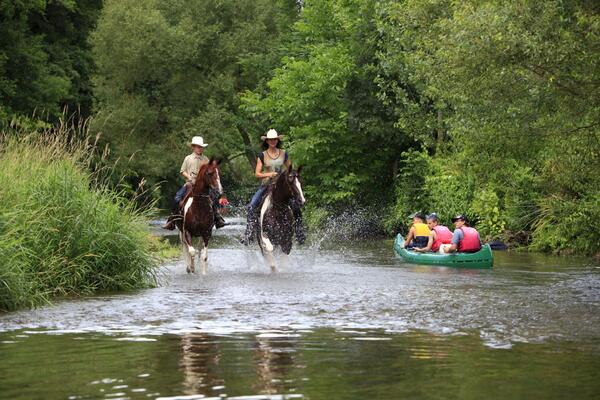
[{"x": 345, "y": 319}]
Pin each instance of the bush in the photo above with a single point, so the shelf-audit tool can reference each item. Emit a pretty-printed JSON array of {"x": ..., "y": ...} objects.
[
  {"x": 486, "y": 211},
  {"x": 61, "y": 232},
  {"x": 451, "y": 193},
  {"x": 411, "y": 192},
  {"x": 568, "y": 225}
]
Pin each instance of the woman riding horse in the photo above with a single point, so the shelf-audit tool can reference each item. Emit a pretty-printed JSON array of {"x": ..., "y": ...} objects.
[{"x": 269, "y": 163}]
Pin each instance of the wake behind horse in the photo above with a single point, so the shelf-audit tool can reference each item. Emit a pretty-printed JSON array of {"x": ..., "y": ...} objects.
[
  {"x": 276, "y": 223},
  {"x": 198, "y": 217}
]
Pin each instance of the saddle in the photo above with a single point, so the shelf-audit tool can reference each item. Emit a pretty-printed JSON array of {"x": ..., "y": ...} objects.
[{"x": 188, "y": 192}]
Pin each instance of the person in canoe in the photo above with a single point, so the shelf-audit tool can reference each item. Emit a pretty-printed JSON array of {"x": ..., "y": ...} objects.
[
  {"x": 418, "y": 235},
  {"x": 438, "y": 235},
  {"x": 464, "y": 239},
  {"x": 269, "y": 163},
  {"x": 189, "y": 169}
]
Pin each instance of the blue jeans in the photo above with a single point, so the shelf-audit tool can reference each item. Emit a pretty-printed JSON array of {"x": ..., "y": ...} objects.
[
  {"x": 255, "y": 202},
  {"x": 179, "y": 195}
]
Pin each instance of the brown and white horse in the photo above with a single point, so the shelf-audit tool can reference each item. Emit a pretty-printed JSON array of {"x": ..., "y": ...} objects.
[
  {"x": 198, "y": 217},
  {"x": 276, "y": 223}
]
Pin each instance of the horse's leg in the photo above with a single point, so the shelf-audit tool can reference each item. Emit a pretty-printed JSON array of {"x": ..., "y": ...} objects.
[
  {"x": 186, "y": 252},
  {"x": 191, "y": 251},
  {"x": 204, "y": 255},
  {"x": 267, "y": 245},
  {"x": 187, "y": 235}
]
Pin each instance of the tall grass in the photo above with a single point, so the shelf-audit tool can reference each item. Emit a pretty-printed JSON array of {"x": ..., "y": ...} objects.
[{"x": 61, "y": 231}]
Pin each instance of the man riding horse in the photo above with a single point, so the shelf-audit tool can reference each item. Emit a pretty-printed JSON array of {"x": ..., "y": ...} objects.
[
  {"x": 269, "y": 164},
  {"x": 189, "y": 170}
]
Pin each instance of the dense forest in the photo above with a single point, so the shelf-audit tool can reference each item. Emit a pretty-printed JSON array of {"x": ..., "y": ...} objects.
[{"x": 488, "y": 108}]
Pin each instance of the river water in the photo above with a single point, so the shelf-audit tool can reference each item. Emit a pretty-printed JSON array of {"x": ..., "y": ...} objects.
[{"x": 341, "y": 320}]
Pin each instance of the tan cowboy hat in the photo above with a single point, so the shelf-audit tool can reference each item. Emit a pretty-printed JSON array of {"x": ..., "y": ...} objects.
[
  {"x": 198, "y": 141},
  {"x": 271, "y": 134}
]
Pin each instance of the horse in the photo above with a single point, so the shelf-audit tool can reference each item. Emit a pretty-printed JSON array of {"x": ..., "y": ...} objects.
[
  {"x": 198, "y": 217},
  {"x": 276, "y": 222}
]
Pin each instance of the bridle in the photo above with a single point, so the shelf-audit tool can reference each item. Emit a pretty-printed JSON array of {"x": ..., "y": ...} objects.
[
  {"x": 292, "y": 188},
  {"x": 207, "y": 186}
]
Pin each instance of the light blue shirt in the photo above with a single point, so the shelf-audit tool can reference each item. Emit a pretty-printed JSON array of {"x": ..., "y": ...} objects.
[{"x": 458, "y": 235}]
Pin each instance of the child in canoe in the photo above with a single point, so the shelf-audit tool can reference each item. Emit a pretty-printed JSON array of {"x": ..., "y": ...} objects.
[{"x": 418, "y": 235}]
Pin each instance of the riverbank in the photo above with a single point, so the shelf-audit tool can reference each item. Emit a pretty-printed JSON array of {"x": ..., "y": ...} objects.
[{"x": 62, "y": 232}]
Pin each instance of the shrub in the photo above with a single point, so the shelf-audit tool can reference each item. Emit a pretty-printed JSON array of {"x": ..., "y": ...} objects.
[
  {"x": 411, "y": 193},
  {"x": 567, "y": 225},
  {"x": 61, "y": 231},
  {"x": 450, "y": 190},
  {"x": 486, "y": 210}
]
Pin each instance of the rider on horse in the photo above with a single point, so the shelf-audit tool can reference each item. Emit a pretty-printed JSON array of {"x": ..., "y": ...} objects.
[
  {"x": 272, "y": 160},
  {"x": 189, "y": 169}
]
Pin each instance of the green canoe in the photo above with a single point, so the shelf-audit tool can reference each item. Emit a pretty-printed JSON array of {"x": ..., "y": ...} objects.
[{"x": 482, "y": 259}]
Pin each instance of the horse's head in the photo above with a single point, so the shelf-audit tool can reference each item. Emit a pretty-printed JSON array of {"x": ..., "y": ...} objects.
[
  {"x": 208, "y": 177},
  {"x": 293, "y": 180},
  {"x": 212, "y": 177}
]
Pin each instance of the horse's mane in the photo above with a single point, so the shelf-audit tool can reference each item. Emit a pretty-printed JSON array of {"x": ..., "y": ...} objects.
[
  {"x": 202, "y": 170},
  {"x": 200, "y": 175}
]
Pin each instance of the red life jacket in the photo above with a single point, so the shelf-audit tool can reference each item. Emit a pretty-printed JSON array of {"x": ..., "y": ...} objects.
[
  {"x": 442, "y": 236},
  {"x": 470, "y": 242}
]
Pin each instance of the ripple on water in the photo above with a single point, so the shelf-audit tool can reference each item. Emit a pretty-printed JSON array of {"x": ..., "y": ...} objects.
[{"x": 354, "y": 286}]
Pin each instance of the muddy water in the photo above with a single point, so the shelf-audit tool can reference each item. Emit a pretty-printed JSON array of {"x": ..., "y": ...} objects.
[{"x": 341, "y": 320}]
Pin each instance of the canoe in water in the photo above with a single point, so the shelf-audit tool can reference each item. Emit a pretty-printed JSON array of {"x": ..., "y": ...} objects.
[{"x": 482, "y": 259}]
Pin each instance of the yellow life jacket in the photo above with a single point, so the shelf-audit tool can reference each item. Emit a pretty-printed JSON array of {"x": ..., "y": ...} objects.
[{"x": 421, "y": 229}]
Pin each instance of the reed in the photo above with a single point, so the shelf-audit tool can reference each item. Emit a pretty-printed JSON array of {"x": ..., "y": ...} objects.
[{"x": 62, "y": 231}]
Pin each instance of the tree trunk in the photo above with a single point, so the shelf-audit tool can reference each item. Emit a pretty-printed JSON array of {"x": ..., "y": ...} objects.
[{"x": 248, "y": 147}]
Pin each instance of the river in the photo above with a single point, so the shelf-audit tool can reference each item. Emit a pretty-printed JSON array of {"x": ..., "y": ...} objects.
[{"x": 342, "y": 320}]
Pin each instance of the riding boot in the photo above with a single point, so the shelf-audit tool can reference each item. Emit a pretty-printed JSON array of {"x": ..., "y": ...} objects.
[
  {"x": 251, "y": 222},
  {"x": 219, "y": 220},
  {"x": 173, "y": 218},
  {"x": 299, "y": 228}
]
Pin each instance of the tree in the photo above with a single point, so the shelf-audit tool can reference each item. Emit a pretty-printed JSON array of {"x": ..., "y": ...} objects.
[
  {"x": 45, "y": 60},
  {"x": 324, "y": 97},
  {"x": 170, "y": 70},
  {"x": 516, "y": 83}
]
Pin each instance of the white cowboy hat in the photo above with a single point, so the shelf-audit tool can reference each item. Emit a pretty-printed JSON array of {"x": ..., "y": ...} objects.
[
  {"x": 197, "y": 140},
  {"x": 271, "y": 134}
]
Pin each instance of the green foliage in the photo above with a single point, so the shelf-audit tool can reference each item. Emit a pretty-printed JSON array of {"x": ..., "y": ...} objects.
[
  {"x": 45, "y": 61},
  {"x": 61, "y": 231},
  {"x": 499, "y": 97},
  {"x": 507, "y": 93},
  {"x": 171, "y": 70},
  {"x": 486, "y": 210},
  {"x": 411, "y": 192},
  {"x": 451, "y": 193},
  {"x": 316, "y": 218},
  {"x": 567, "y": 226},
  {"x": 324, "y": 97}
]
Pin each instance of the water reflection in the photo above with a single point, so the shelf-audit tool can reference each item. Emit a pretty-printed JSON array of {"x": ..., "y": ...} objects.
[
  {"x": 274, "y": 358},
  {"x": 200, "y": 358},
  {"x": 206, "y": 363}
]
